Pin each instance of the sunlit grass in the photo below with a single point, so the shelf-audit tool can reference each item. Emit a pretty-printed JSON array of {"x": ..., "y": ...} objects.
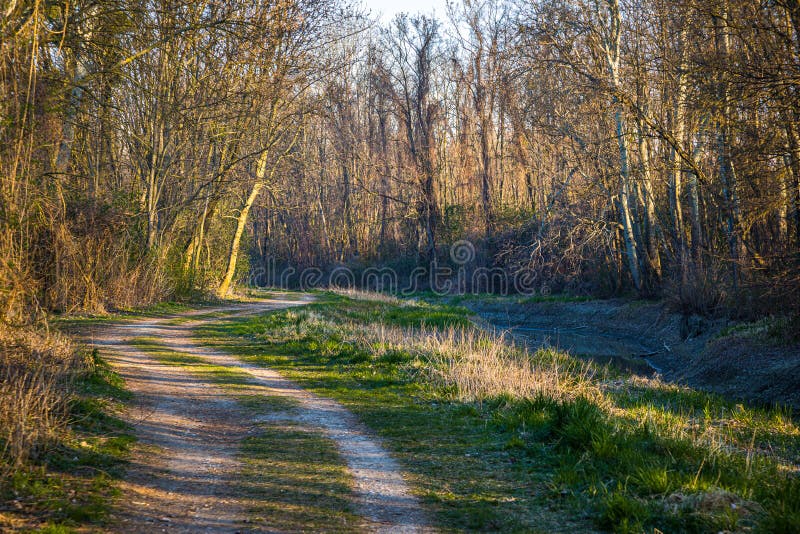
[
  {"x": 293, "y": 477},
  {"x": 499, "y": 438}
]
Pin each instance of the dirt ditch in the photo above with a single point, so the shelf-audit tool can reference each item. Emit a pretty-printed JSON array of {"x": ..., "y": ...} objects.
[{"x": 645, "y": 337}]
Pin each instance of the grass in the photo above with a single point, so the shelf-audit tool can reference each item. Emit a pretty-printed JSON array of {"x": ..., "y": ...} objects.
[
  {"x": 772, "y": 330},
  {"x": 77, "y": 323},
  {"x": 232, "y": 380},
  {"x": 255, "y": 293},
  {"x": 72, "y": 484},
  {"x": 498, "y": 439},
  {"x": 293, "y": 477}
]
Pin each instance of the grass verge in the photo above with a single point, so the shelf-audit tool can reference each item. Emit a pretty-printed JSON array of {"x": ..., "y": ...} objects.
[
  {"x": 295, "y": 478},
  {"x": 495, "y": 438}
]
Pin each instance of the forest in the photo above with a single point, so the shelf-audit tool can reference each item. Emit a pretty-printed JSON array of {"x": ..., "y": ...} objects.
[
  {"x": 637, "y": 157},
  {"x": 153, "y": 149}
]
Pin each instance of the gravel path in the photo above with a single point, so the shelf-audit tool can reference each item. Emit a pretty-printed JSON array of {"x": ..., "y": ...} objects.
[{"x": 183, "y": 474}]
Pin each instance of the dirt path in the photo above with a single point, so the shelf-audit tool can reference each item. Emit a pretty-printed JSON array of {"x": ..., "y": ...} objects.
[{"x": 183, "y": 475}]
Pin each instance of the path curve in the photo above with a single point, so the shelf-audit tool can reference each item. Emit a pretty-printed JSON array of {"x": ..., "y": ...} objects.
[{"x": 183, "y": 477}]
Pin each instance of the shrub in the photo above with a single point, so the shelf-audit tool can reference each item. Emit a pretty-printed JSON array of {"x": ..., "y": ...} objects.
[{"x": 36, "y": 372}]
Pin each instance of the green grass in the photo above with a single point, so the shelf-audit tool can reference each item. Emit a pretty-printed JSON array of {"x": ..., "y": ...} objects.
[
  {"x": 637, "y": 455},
  {"x": 293, "y": 477},
  {"x": 263, "y": 293},
  {"x": 183, "y": 319},
  {"x": 773, "y": 330},
  {"x": 73, "y": 485},
  {"x": 391, "y": 310},
  {"x": 76, "y": 324},
  {"x": 232, "y": 380}
]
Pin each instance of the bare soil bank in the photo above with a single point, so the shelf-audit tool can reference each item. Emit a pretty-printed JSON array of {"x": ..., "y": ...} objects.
[{"x": 646, "y": 337}]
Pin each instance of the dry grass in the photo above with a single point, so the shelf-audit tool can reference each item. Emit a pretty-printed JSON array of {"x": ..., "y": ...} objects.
[
  {"x": 478, "y": 365},
  {"x": 36, "y": 370},
  {"x": 372, "y": 296},
  {"x": 86, "y": 268},
  {"x": 95, "y": 270},
  {"x": 475, "y": 364}
]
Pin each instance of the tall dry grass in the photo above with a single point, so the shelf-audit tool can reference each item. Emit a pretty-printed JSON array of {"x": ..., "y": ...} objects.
[
  {"x": 474, "y": 364},
  {"x": 478, "y": 365},
  {"x": 36, "y": 373},
  {"x": 478, "y": 369},
  {"x": 96, "y": 269},
  {"x": 372, "y": 296}
]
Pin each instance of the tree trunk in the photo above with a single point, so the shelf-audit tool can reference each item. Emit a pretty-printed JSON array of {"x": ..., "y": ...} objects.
[
  {"x": 679, "y": 131},
  {"x": 68, "y": 132},
  {"x": 430, "y": 219},
  {"x": 75, "y": 99},
  {"x": 725, "y": 164},
  {"x": 484, "y": 127},
  {"x": 350, "y": 241},
  {"x": 793, "y": 185},
  {"x": 382, "y": 245},
  {"x": 152, "y": 218},
  {"x": 486, "y": 193},
  {"x": 233, "y": 256},
  {"x": 192, "y": 258},
  {"x": 651, "y": 222},
  {"x": 241, "y": 222},
  {"x": 611, "y": 47}
]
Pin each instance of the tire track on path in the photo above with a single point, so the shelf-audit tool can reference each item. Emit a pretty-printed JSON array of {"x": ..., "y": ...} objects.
[{"x": 183, "y": 477}]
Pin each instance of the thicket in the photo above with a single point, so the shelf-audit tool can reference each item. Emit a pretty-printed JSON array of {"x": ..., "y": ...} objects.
[{"x": 36, "y": 376}]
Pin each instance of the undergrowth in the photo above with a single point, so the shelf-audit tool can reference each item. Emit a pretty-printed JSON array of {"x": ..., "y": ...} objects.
[{"x": 61, "y": 445}]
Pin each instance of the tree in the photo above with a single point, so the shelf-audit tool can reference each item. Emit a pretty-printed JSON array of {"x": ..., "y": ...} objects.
[{"x": 411, "y": 49}]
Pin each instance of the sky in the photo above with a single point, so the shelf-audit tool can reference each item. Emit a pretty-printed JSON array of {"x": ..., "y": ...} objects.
[{"x": 387, "y": 9}]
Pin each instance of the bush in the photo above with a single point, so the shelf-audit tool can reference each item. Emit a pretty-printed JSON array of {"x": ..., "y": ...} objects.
[
  {"x": 36, "y": 373},
  {"x": 694, "y": 289}
]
